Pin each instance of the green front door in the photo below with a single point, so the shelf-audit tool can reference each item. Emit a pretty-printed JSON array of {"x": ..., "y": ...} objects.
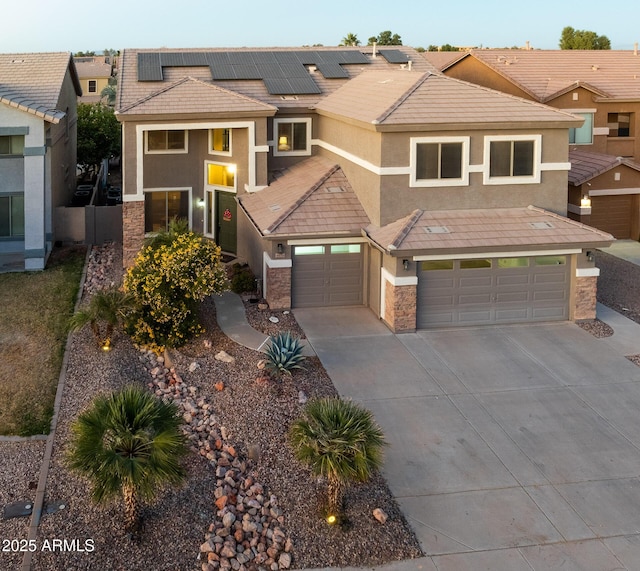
[{"x": 226, "y": 212}]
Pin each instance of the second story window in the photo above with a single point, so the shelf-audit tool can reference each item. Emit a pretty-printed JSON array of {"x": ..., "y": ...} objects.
[
  {"x": 93, "y": 86},
  {"x": 512, "y": 159},
  {"x": 439, "y": 161},
  {"x": 292, "y": 137},
  {"x": 220, "y": 141},
  {"x": 582, "y": 135},
  {"x": 12, "y": 145},
  {"x": 173, "y": 141},
  {"x": 619, "y": 124}
]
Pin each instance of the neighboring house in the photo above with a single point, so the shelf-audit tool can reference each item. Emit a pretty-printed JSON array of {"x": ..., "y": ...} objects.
[
  {"x": 359, "y": 176},
  {"x": 38, "y": 94},
  {"x": 94, "y": 73},
  {"x": 602, "y": 86}
]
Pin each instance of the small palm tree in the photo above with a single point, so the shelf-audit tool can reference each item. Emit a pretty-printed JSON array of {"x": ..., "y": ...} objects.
[
  {"x": 339, "y": 440},
  {"x": 164, "y": 237},
  {"x": 128, "y": 443},
  {"x": 109, "y": 306}
]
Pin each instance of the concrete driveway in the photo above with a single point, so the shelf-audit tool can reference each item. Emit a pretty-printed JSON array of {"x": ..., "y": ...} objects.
[{"x": 511, "y": 447}]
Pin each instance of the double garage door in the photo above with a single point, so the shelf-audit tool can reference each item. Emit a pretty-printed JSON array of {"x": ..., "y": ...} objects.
[
  {"x": 493, "y": 290},
  {"x": 327, "y": 275}
]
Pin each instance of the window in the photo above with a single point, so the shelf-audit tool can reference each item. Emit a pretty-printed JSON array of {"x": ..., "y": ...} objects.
[
  {"x": 219, "y": 174},
  {"x": 220, "y": 141},
  {"x": 12, "y": 216},
  {"x": 293, "y": 137},
  {"x": 166, "y": 141},
  {"x": 160, "y": 207},
  {"x": 474, "y": 264},
  {"x": 512, "y": 159},
  {"x": 93, "y": 86},
  {"x": 619, "y": 124},
  {"x": 439, "y": 161},
  {"x": 434, "y": 265},
  {"x": 12, "y": 145},
  {"x": 582, "y": 135},
  {"x": 345, "y": 249},
  {"x": 551, "y": 260},
  {"x": 308, "y": 250},
  {"x": 513, "y": 262}
]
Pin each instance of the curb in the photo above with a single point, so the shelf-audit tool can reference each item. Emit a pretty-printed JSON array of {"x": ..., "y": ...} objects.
[{"x": 46, "y": 460}]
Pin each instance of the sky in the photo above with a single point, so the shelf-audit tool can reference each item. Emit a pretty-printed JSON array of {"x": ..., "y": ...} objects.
[{"x": 83, "y": 25}]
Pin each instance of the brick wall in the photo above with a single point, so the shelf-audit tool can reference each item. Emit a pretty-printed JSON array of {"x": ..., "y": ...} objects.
[
  {"x": 279, "y": 288},
  {"x": 586, "y": 289},
  {"x": 400, "y": 307},
  {"x": 132, "y": 231}
]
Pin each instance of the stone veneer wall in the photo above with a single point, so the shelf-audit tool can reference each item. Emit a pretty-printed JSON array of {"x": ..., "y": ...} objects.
[
  {"x": 586, "y": 290},
  {"x": 279, "y": 288},
  {"x": 400, "y": 307},
  {"x": 132, "y": 231}
]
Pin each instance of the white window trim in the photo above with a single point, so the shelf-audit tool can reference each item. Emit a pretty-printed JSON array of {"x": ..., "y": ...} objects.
[
  {"x": 187, "y": 189},
  {"x": 208, "y": 186},
  {"x": 210, "y": 142},
  {"x": 274, "y": 143},
  {"x": 167, "y": 151},
  {"x": 510, "y": 180},
  {"x": 438, "y": 182}
]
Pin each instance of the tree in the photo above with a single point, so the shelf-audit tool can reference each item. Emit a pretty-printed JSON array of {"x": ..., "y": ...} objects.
[
  {"x": 340, "y": 441},
  {"x": 170, "y": 276},
  {"x": 108, "y": 306},
  {"x": 108, "y": 93},
  {"x": 129, "y": 444},
  {"x": 350, "y": 40},
  {"x": 98, "y": 135},
  {"x": 385, "y": 38},
  {"x": 582, "y": 40}
]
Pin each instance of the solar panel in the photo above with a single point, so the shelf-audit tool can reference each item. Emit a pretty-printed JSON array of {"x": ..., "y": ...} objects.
[
  {"x": 394, "y": 56},
  {"x": 195, "y": 58},
  {"x": 240, "y": 58},
  {"x": 221, "y": 72},
  {"x": 149, "y": 68},
  {"x": 172, "y": 59},
  {"x": 247, "y": 71},
  {"x": 295, "y": 86},
  {"x": 332, "y": 70}
]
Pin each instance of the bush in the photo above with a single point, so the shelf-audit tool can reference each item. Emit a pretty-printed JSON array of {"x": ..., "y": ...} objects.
[
  {"x": 167, "y": 281},
  {"x": 284, "y": 354},
  {"x": 243, "y": 280}
]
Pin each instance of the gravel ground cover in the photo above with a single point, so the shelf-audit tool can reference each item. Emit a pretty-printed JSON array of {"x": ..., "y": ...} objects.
[{"x": 253, "y": 419}]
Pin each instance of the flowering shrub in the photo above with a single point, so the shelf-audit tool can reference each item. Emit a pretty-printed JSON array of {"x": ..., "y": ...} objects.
[{"x": 167, "y": 281}]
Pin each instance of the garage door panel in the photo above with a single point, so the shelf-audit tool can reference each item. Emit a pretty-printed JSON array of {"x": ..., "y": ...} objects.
[
  {"x": 612, "y": 214},
  {"x": 509, "y": 291}
]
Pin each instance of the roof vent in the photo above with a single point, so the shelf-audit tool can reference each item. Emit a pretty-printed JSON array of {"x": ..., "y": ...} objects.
[
  {"x": 436, "y": 230},
  {"x": 541, "y": 225},
  {"x": 17, "y": 61},
  {"x": 333, "y": 189},
  {"x": 595, "y": 67},
  {"x": 274, "y": 207},
  {"x": 289, "y": 97}
]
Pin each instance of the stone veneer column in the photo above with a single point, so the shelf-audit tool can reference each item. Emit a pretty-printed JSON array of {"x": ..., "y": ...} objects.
[
  {"x": 586, "y": 288},
  {"x": 132, "y": 230},
  {"x": 400, "y": 303},
  {"x": 278, "y": 287}
]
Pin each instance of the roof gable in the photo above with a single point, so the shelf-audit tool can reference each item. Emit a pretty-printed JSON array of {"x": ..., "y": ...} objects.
[{"x": 586, "y": 165}]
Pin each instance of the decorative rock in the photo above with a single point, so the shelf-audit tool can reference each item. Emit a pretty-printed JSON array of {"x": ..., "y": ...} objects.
[
  {"x": 193, "y": 366},
  {"x": 261, "y": 364},
  {"x": 274, "y": 319},
  {"x": 228, "y": 519},
  {"x": 221, "y": 502},
  {"x": 219, "y": 386},
  {"x": 207, "y": 343},
  {"x": 228, "y": 551},
  {"x": 380, "y": 515},
  {"x": 284, "y": 561},
  {"x": 187, "y": 418},
  {"x": 263, "y": 306},
  {"x": 302, "y": 398},
  {"x": 224, "y": 357}
]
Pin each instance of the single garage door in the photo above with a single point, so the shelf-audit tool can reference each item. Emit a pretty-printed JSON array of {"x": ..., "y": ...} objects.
[
  {"x": 493, "y": 290},
  {"x": 612, "y": 214},
  {"x": 327, "y": 275}
]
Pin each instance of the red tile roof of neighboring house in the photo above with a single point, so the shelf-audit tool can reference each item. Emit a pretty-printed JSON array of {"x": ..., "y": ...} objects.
[
  {"x": 32, "y": 82},
  {"x": 484, "y": 230},
  {"x": 398, "y": 97},
  {"x": 546, "y": 74},
  {"x": 312, "y": 197},
  {"x": 586, "y": 165}
]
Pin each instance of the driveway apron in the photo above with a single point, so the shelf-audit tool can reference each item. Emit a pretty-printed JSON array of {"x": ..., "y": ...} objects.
[{"x": 511, "y": 447}]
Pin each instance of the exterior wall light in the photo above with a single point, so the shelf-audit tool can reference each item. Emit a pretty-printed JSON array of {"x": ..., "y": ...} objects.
[
  {"x": 280, "y": 248},
  {"x": 585, "y": 202},
  {"x": 405, "y": 265}
]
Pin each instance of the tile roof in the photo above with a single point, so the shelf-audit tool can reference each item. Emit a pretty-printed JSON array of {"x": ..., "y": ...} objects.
[
  {"x": 482, "y": 230},
  {"x": 398, "y": 97},
  {"x": 89, "y": 70},
  {"x": 442, "y": 60},
  {"x": 546, "y": 74},
  {"x": 131, "y": 90},
  {"x": 586, "y": 165},
  {"x": 191, "y": 95},
  {"x": 312, "y": 197},
  {"x": 32, "y": 82}
]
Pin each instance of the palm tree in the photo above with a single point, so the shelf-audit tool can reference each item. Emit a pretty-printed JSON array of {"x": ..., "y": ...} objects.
[
  {"x": 128, "y": 443},
  {"x": 164, "y": 237},
  {"x": 350, "y": 40},
  {"x": 339, "y": 440},
  {"x": 109, "y": 306}
]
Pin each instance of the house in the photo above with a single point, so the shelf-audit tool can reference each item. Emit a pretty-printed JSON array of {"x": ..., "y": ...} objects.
[
  {"x": 38, "y": 118},
  {"x": 359, "y": 176},
  {"x": 94, "y": 74},
  {"x": 602, "y": 86}
]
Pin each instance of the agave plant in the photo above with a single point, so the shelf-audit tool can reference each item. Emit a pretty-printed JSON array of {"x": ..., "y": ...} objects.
[{"x": 284, "y": 354}]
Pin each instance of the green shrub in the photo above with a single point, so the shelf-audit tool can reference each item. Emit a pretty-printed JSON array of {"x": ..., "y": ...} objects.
[
  {"x": 284, "y": 354},
  {"x": 167, "y": 281},
  {"x": 243, "y": 280}
]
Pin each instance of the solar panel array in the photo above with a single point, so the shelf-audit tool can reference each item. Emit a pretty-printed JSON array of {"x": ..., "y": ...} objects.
[
  {"x": 283, "y": 72},
  {"x": 394, "y": 56}
]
